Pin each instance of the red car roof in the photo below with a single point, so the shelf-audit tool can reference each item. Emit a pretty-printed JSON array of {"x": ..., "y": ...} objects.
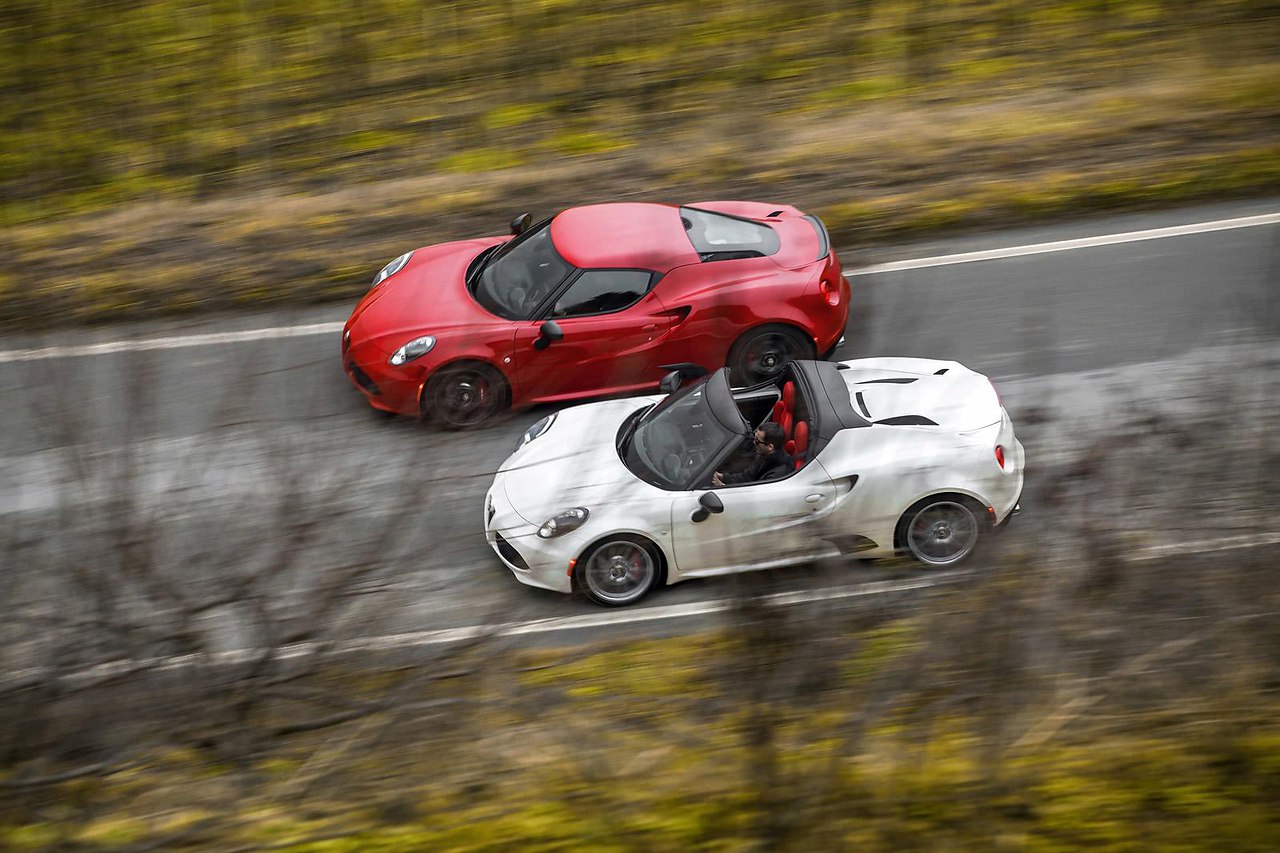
[{"x": 624, "y": 234}]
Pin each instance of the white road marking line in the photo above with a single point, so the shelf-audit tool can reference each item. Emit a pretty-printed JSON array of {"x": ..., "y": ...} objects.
[
  {"x": 1070, "y": 245},
  {"x": 389, "y": 642},
  {"x": 648, "y": 614},
  {"x": 1212, "y": 546},
  {"x": 703, "y": 608},
  {"x": 172, "y": 342},
  {"x": 176, "y": 342}
]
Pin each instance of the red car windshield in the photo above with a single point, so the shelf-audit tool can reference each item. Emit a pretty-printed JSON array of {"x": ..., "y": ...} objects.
[{"x": 522, "y": 274}]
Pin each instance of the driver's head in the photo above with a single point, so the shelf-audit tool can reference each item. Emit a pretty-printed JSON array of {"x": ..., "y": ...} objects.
[{"x": 769, "y": 438}]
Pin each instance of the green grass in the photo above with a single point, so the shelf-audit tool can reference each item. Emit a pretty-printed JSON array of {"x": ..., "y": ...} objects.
[{"x": 219, "y": 97}]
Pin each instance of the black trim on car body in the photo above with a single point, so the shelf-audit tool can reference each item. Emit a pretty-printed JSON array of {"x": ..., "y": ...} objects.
[
  {"x": 824, "y": 238},
  {"x": 833, "y": 399},
  {"x": 907, "y": 420}
]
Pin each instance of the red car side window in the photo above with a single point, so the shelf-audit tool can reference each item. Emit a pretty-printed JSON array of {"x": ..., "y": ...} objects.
[{"x": 601, "y": 292}]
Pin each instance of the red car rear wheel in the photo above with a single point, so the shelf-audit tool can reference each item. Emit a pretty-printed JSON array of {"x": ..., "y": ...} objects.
[{"x": 762, "y": 353}]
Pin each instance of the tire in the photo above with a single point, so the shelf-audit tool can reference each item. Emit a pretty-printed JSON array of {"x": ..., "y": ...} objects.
[
  {"x": 761, "y": 354},
  {"x": 941, "y": 531},
  {"x": 464, "y": 395},
  {"x": 619, "y": 570}
]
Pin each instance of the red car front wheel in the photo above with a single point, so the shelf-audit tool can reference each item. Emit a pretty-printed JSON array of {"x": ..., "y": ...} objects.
[{"x": 464, "y": 395}]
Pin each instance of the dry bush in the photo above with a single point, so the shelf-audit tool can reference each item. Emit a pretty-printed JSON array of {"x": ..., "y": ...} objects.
[{"x": 183, "y": 611}]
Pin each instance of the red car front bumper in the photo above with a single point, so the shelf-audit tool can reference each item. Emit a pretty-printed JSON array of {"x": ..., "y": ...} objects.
[{"x": 386, "y": 387}]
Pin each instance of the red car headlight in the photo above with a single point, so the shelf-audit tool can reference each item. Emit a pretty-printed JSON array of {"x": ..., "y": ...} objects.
[{"x": 414, "y": 349}]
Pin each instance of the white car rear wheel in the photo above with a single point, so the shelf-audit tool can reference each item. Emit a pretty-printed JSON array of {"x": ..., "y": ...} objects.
[
  {"x": 618, "y": 571},
  {"x": 941, "y": 532}
]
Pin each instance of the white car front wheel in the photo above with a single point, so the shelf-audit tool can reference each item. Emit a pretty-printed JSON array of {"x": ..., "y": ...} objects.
[{"x": 620, "y": 570}]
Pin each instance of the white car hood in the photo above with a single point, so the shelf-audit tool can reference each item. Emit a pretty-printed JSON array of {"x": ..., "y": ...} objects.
[{"x": 574, "y": 463}]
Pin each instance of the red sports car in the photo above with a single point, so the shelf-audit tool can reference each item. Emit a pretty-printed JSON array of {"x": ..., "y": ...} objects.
[{"x": 591, "y": 302}]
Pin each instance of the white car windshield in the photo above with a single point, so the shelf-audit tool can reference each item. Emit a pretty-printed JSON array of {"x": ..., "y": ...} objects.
[{"x": 675, "y": 440}]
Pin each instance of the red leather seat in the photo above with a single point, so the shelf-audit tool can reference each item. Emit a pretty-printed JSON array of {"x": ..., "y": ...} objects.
[
  {"x": 799, "y": 446},
  {"x": 784, "y": 410}
]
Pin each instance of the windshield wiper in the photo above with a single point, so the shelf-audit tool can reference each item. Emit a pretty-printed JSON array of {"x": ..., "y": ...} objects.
[
  {"x": 479, "y": 264},
  {"x": 629, "y": 427}
]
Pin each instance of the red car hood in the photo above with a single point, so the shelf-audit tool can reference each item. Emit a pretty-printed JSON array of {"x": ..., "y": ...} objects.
[{"x": 428, "y": 296}]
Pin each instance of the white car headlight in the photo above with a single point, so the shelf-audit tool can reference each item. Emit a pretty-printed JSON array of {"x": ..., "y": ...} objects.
[
  {"x": 415, "y": 348},
  {"x": 562, "y": 522},
  {"x": 536, "y": 430},
  {"x": 391, "y": 269}
]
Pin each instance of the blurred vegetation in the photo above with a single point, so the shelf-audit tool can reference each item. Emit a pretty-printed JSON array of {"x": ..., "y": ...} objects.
[
  {"x": 990, "y": 717},
  {"x": 154, "y": 155},
  {"x": 105, "y": 103}
]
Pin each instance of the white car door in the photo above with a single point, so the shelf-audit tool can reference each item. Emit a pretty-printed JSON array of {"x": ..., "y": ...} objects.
[{"x": 763, "y": 524}]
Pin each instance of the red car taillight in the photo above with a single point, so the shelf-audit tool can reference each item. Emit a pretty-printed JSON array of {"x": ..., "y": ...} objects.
[
  {"x": 1000, "y": 456},
  {"x": 830, "y": 291}
]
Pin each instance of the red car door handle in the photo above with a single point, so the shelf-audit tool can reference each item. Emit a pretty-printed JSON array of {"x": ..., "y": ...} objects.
[{"x": 676, "y": 315}]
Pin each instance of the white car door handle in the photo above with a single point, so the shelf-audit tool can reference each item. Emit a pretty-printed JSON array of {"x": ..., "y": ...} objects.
[{"x": 813, "y": 499}]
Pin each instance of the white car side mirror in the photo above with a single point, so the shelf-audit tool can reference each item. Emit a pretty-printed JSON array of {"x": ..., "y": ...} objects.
[{"x": 708, "y": 503}]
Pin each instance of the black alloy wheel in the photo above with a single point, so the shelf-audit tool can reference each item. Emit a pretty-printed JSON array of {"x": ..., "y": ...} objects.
[
  {"x": 464, "y": 395},
  {"x": 761, "y": 354}
]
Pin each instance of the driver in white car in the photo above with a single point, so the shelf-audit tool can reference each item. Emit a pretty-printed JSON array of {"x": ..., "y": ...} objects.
[{"x": 770, "y": 462}]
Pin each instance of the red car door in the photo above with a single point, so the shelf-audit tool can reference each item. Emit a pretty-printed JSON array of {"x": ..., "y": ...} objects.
[{"x": 613, "y": 325}]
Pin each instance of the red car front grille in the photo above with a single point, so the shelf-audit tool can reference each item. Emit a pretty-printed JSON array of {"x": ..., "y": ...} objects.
[{"x": 362, "y": 379}]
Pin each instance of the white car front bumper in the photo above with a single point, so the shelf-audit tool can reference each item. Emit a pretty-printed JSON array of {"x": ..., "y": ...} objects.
[{"x": 535, "y": 561}]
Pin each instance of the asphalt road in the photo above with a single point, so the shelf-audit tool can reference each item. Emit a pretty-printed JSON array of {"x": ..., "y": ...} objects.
[{"x": 217, "y": 422}]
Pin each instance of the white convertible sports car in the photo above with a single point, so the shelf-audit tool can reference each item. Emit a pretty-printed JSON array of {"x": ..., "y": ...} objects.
[{"x": 891, "y": 455}]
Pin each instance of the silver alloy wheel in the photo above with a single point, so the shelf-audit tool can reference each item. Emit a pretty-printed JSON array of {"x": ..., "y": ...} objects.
[
  {"x": 619, "y": 572},
  {"x": 942, "y": 533}
]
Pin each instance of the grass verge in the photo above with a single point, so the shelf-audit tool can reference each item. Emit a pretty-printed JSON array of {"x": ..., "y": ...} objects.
[
  {"x": 890, "y": 169},
  {"x": 720, "y": 742}
]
